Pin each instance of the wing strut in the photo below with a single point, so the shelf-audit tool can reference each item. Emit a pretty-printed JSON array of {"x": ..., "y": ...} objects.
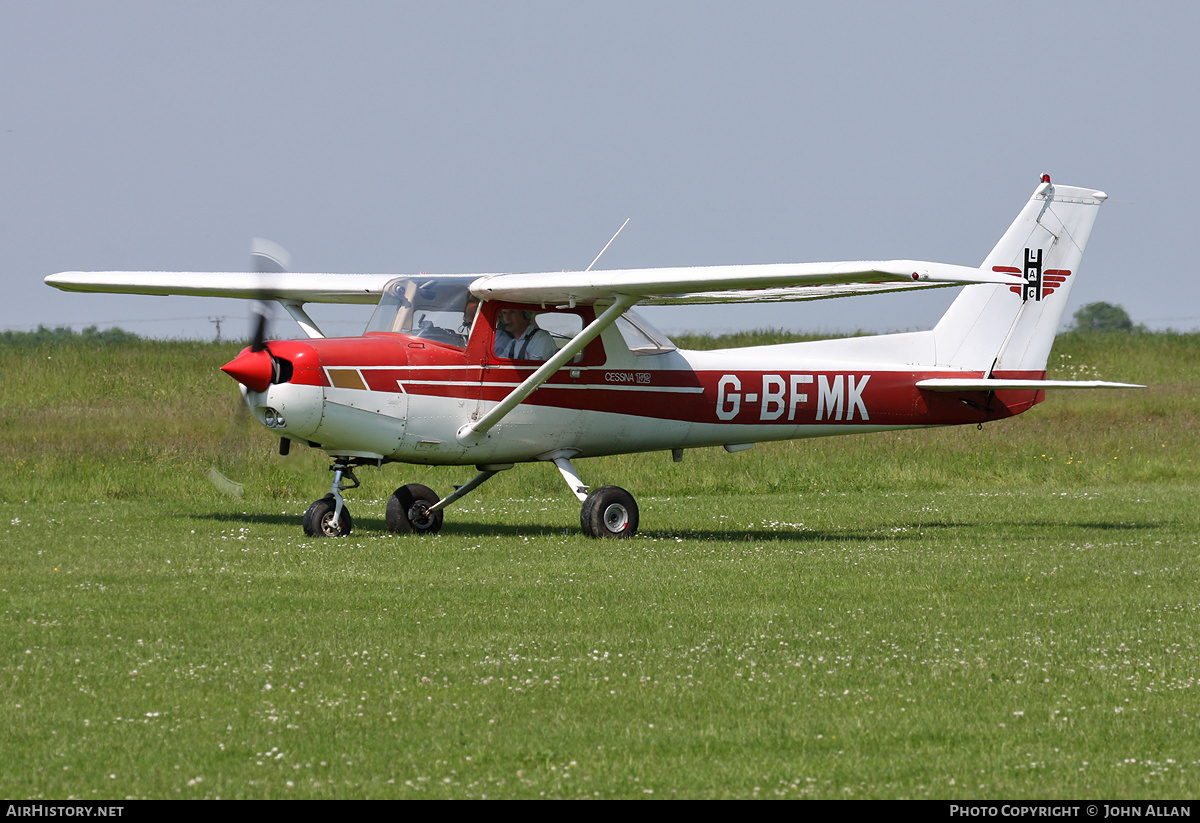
[
  {"x": 473, "y": 433},
  {"x": 296, "y": 310}
]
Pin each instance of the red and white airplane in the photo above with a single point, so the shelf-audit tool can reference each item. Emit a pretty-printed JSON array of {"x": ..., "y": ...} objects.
[{"x": 491, "y": 370}]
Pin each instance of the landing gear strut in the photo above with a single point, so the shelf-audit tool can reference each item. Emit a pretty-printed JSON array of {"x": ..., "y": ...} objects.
[
  {"x": 416, "y": 509},
  {"x": 329, "y": 517},
  {"x": 609, "y": 511}
]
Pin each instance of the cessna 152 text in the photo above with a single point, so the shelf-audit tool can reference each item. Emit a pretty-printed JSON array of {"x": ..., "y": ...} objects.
[{"x": 491, "y": 370}]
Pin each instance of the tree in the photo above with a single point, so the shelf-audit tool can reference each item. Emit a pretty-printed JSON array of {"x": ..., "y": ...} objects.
[{"x": 1102, "y": 317}]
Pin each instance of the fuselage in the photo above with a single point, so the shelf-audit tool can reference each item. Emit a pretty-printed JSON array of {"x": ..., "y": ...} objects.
[{"x": 402, "y": 396}]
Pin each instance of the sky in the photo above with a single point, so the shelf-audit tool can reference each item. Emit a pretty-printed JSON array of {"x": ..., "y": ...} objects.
[{"x": 482, "y": 137}]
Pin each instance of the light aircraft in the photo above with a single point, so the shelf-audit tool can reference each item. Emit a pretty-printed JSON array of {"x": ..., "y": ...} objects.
[{"x": 491, "y": 370}]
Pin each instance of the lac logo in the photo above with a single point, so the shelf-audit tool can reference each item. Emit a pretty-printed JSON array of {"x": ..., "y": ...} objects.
[{"x": 1038, "y": 283}]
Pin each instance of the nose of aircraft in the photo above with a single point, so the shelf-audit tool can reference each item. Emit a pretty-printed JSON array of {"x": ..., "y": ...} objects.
[{"x": 253, "y": 369}]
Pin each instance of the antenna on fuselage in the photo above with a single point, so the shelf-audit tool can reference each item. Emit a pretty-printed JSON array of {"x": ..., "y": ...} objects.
[{"x": 609, "y": 243}]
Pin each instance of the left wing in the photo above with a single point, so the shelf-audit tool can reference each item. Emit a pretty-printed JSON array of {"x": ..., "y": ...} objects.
[
  {"x": 725, "y": 284},
  {"x": 285, "y": 286}
]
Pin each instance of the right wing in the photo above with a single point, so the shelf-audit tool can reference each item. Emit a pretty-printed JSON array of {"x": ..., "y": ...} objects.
[{"x": 729, "y": 284}]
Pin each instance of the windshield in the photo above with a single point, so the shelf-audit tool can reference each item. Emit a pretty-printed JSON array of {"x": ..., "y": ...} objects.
[{"x": 435, "y": 307}]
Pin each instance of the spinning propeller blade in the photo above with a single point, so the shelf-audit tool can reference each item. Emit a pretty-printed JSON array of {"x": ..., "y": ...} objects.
[
  {"x": 265, "y": 258},
  {"x": 254, "y": 369}
]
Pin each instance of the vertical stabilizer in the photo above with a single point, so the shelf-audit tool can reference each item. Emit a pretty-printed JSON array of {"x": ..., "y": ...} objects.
[{"x": 1011, "y": 328}]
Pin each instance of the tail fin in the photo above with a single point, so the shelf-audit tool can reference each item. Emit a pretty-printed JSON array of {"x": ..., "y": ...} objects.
[{"x": 1009, "y": 329}]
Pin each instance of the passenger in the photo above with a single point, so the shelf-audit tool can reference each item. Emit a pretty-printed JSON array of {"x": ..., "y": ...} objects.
[
  {"x": 469, "y": 312},
  {"x": 517, "y": 338}
]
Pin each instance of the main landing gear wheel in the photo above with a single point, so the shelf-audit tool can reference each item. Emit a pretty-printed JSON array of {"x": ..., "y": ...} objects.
[
  {"x": 609, "y": 511},
  {"x": 408, "y": 510},
  {"x": 318, "y": 520}
]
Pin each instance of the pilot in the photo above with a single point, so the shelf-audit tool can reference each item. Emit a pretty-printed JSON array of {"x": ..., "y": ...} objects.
[{"x": 517, "y": 338}]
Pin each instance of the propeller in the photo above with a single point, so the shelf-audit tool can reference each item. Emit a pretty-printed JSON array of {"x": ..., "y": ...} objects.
[
  {"x": 256, "y": 368},
  {"x": 265, "y": 258}
]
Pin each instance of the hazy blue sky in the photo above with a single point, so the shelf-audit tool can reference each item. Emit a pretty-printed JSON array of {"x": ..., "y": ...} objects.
[{"x": 462, "y": 137}]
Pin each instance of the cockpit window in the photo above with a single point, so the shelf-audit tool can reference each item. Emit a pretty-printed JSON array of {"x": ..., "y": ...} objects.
[
  {"x": 525, "y": 334},
  {"x": 437, "y": 308},
  {"x": 641, "y": 337}
]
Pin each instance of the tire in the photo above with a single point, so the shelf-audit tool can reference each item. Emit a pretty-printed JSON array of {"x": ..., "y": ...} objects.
[
  {"x": 609, "y": 511},
  {"x": 318, "y": 520},
  {"x": 407, "y": 510}
]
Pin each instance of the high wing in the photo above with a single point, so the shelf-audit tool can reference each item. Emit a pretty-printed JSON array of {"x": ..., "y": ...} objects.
[
  {"x": 725, "y": 284},
  {"x": 285, "y": 286},
  {"x": 705, "y": 284}
]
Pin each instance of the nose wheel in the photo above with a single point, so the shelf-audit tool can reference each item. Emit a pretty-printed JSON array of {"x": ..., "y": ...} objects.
[
  {"x": 323, "y": 519},
  {"x": 329, "y": 517}
]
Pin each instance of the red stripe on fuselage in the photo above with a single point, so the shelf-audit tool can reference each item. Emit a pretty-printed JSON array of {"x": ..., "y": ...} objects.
[
  {"x": 739, "y": 397},
  {"x": 396, "y": 363}
]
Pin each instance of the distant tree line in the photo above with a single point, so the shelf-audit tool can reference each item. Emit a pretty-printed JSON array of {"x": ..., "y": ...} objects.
[
  {"x": 65, "y": 334},
  {"x": 1094, "y": 317}
]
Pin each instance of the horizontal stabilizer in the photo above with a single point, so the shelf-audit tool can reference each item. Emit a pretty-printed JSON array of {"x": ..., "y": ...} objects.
[{"x": 984, "y": 384}]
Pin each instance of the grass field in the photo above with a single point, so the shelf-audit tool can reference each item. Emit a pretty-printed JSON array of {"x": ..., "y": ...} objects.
[{"x": 1000, "y": 613}]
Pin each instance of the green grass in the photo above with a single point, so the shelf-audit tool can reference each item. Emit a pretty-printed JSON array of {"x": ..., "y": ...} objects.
[{"x": 1006, "y": 613}]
